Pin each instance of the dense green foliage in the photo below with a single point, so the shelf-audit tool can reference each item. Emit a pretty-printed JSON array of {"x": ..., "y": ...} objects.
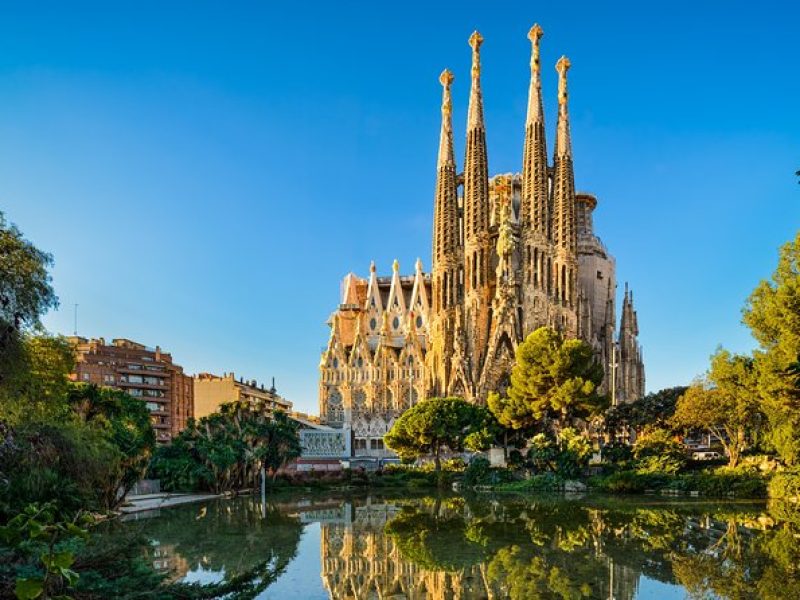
[
  {"x": 436, "y": 424},
  {"x": 714, "y": 484},
  {"x": 785, "y": 485},
  {"x": 653, "y": 410},
  {"x": 567, "y": 456},
  {"x": 87, "y": 456},
  {"x": 226, "y": 450},
  {"x": 773, "y": 314},
  {"x": 25, "y": 290},
  {"x": 657, "y": 451},
  {"x": 553, "y": 380},
  {"x": 725, "y": 404},
  {"x": 34, "y": 383},
  {"x": 36, "y": 536}
]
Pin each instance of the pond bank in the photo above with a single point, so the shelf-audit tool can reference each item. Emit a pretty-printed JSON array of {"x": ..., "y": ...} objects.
[{"x": 134, "y": 504}]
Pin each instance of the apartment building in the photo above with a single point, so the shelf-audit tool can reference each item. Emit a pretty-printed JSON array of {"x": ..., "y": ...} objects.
[
  {"x": 210, "y": 391},
  {"x": 143, "y": 372}
]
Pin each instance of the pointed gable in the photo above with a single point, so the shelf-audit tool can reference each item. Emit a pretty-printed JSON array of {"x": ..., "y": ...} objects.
[{"x": 419, "y": 298}]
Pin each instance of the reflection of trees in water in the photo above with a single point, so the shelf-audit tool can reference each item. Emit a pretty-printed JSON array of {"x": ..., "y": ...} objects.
[
  {"x": 556, "y": 548},
  {"x": 508, "y": 547},
  {"x": 233, "y": 537}
]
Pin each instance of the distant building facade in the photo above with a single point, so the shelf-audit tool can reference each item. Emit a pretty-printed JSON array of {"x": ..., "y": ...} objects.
[
  {"x": 211, "y": 391},
  {"x": 145, "y": 373},
  {"x": 511, "y": 253}
]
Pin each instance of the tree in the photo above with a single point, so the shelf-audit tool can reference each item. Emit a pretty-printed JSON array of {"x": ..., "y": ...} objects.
[
  {"x": 773, "y": 315},
  {"x": 25, "y": 290},
  {"x": 226, "y": 450},
  {"x": 35, "y": 378},
  {"x": 725, "y": 403},
  {"x": 653, "y": 410},
  {"x": 657, "y": 451},
  {"x": 125, "y": 423},
  {"x": 552, "y": 379},
  {"x": 436, "y": 423}
]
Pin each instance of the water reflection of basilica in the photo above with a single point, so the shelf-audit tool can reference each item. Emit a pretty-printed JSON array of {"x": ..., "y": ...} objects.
[{"x": 361, "y": 560}]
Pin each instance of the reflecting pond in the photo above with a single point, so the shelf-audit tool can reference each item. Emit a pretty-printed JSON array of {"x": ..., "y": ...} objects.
[{"x": 307, "y": 547}]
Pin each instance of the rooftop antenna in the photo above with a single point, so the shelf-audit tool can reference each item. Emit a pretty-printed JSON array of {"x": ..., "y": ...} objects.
[{"x": 75, "y": 331}]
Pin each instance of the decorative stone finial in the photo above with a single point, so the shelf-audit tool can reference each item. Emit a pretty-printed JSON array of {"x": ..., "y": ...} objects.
[
  {"x": 418, "y": 264},
  {"x": 446, "y": 79},
  {"x": 475, "y": 41},
  {"x": 372, "y": 266},
  {"x": 395, "y": 266},
  {"x": 562, "y": 66},
  {"x": 534, "y": 35}
]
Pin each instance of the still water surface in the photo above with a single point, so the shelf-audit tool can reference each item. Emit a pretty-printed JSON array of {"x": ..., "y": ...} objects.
[{"x": 401, "y": 547}]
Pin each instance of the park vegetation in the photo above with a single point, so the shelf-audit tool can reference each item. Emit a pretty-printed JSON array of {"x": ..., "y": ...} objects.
[
  {"x": 227, "y": 450},
  {"x": 70, "y": 452}
]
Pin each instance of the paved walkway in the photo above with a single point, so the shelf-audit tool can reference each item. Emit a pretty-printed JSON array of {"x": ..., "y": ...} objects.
[{"x": 134, "y": 504}]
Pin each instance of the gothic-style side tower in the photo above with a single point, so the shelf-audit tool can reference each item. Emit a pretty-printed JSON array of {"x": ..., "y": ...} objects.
[
  {"x": 477, "y": 242},
  {"x": 447, "y": 252},
  {"x": 564, "y": 273},
  {"x": 535, "y": 201},
  {"x": 630, "y": 385}
]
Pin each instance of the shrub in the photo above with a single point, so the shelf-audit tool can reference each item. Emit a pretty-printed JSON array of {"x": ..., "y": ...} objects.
[
  {"x": 546, "y": 482},
  {"x": 543, "y": 453},
  {"x": 617, "y": 452},
  {"x": 627, "y": 482},
  {"x": 785, "y": 485},
  {"x": 656, "y": 451},
  {"x": 477, "y": 472}
]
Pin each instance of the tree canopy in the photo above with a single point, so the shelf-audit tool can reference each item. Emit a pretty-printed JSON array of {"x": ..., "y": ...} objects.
[
  {"x": 553, "y": 379},
  {"x": 653, "y": 410},
  {"x": 227, "y": 449},
  {"x": 773, "y": 315},
  {"x": 436, "y": 423},
  {"x": 25, "y": 290},
  {"x": 725, "y": 403}
]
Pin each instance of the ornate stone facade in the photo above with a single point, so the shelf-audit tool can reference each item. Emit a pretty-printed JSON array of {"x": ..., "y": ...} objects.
[{"x": 511, "y": 253}]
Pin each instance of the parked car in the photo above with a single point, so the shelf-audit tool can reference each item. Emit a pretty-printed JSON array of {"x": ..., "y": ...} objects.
[{"x": 706, "y": 455}]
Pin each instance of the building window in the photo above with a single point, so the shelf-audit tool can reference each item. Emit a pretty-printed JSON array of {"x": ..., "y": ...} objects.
[
  {"x": 86, "y": 377},
  {"x": 360, "y": 444},
  {"x": 395, "y": 322},
  {"x": 373, "y": 324},
  {"x": 376, "y": 444},
  {"x": 599, "y": 274},
  {"x": 419, "y": 321}
]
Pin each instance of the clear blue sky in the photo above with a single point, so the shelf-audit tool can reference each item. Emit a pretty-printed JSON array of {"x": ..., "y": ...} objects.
[{"x": 205, "y": 174}]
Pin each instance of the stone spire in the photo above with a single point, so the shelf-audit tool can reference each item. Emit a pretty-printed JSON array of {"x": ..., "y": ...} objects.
[
  {"x": 564, "y": 178},
  {"x": 631, "y": 379},
  {"x": 476, "y": 171},
  {"x": 535, "y": 210},
  {"x": 446, "y": 239},
  {"x": 563, "y": 230},
  {"x": 478, "y": 247}
]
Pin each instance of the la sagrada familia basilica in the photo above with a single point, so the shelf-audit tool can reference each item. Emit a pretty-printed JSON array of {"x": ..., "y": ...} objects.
[{"x": 511, "y": 253}]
